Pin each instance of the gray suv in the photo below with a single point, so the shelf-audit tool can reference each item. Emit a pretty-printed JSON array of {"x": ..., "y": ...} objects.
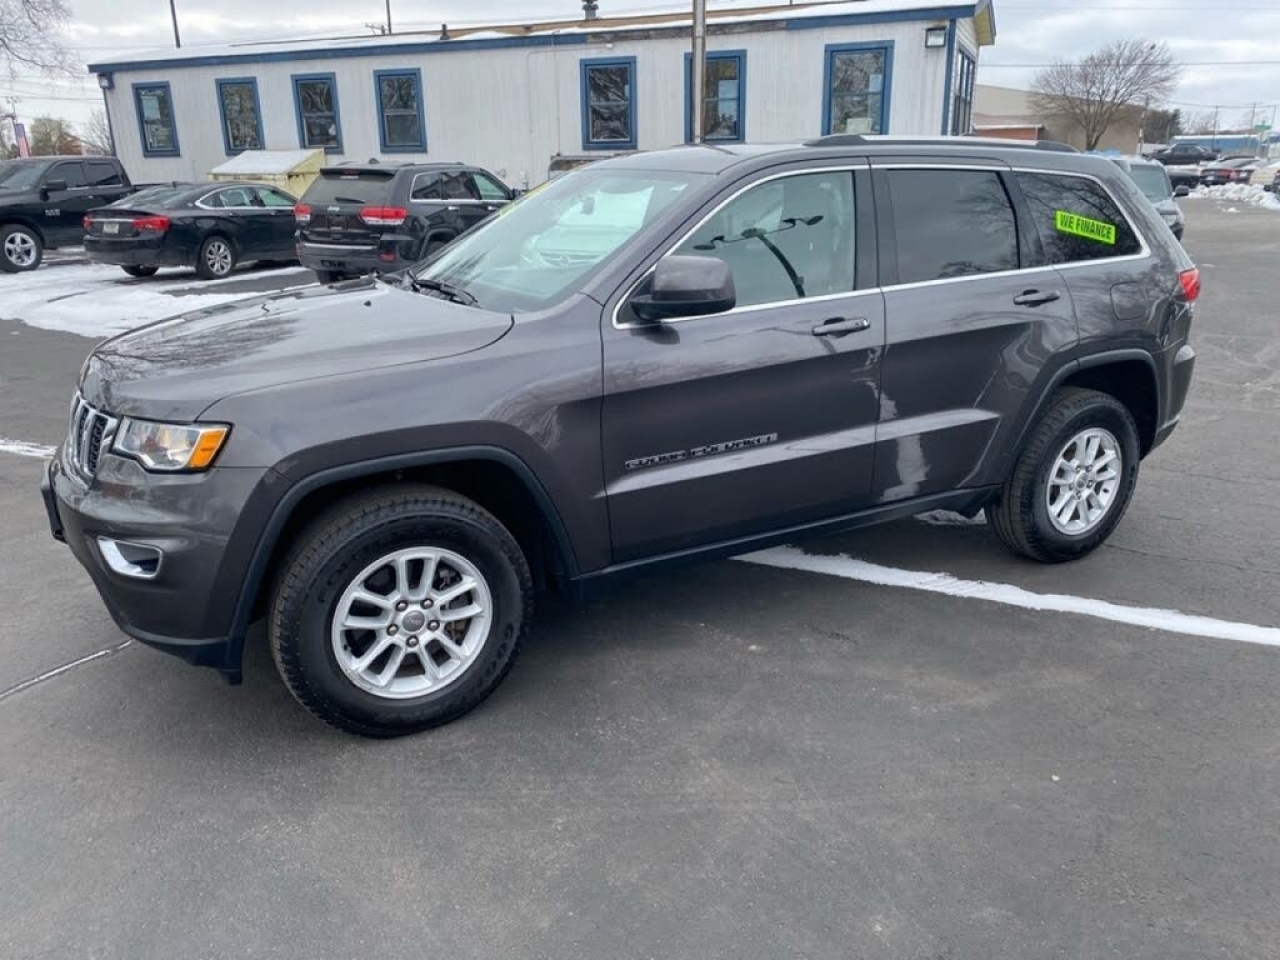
[{"x": 657, "y": 358}]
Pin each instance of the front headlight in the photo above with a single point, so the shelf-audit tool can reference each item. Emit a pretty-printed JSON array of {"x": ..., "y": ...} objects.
[{"x": 170, "y": 446}]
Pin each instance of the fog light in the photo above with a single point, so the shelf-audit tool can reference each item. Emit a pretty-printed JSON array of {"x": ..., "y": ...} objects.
[{"x": 134, "y": 560}]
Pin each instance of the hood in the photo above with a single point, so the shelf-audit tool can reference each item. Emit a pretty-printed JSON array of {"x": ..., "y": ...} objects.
[{"x": 175, "y": 369}]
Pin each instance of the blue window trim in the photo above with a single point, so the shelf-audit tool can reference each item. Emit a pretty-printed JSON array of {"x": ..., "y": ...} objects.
[
  {"x": 966, "y": 83},
  {"x": 741, "y": 57},
  {"x": 332, "y": 80},
  {"x": 222, "y": 113},
  {"x": 138, "y": 88},
  {"x": 946, "y": 86},
  {"x": 421, "y": 145},
  {"x": 830, "y": 52},
  {"x": 632, "y": 124}
]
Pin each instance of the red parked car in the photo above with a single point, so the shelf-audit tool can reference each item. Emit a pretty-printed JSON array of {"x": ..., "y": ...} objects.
[{"x": 1232, "y": 170}]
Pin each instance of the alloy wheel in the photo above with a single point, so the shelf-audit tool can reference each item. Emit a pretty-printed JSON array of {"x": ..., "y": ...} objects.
[
  {"x": 20, "y": 249},
  {"x": 1084, "y": 481}
]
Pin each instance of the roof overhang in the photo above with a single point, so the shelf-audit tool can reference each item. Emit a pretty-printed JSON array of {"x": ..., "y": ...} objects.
[{"x": 984, "y": 22}]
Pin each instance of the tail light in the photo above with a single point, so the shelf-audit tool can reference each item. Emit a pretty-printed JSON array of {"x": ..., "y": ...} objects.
[
  {"x": 384, "y": 216},
  {"x": 158, "y": 224},
  {"x": 302, "y": 212},
  {"x": 88, "y": 223},
  {"x": 1189, "y": 280}
]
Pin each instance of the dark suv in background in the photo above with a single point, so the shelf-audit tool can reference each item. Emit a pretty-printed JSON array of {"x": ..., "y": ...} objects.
[
  {"x": 674, "y": 355},
  {"x": 360, "y": 218}
]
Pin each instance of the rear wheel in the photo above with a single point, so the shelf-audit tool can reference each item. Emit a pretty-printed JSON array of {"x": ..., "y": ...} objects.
[
  {"x": 21, "y": 249},
  {"x": 399, "y": 610},
  {"x": 1072, "y": 481},
  {"x": 135, "y": 271},
  {"x": 216, "y": 259}
]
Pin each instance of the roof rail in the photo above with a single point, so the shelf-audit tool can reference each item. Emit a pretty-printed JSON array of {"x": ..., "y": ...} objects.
[{"x": 859, "y": 140}]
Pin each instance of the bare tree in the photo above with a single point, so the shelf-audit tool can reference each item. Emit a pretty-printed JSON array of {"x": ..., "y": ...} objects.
[
  {"x": 1200, "y": 121},
  {"x": 95, "y": 135},
  {"x": 53, "y": 136},
  {"x": 31, "y": 36},
  {"x": 1098, "y": 90}
]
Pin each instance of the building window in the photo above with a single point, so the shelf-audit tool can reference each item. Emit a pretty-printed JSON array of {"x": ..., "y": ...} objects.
[
  {"x": 159, "y": 131},
  {"x": 241, "y": 115},
  {"x": 857, "y": 80},
  {"x": 962, "y": 101},
  {"x": 400, "y": 125},
  {"x": 724, "y": 97},
  {"x": 609, "y": 104},
  {"x": 315, "y": 99}
]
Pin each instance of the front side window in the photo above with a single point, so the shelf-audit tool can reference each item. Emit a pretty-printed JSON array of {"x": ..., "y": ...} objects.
[
  {"x": 542, "y": 246},
  {"x": 951, "y": 223},
  {"x": 71, "y": 172},
  {"x": 962, "y": 100},
  {"x": 608, "y": 104},
  {"x": 724, "y": 82},
  {"x": 241, "y": 117},
  {"x": 857, "y": 88},
  {"x": 488, "y": 189},
  {"x": 785, "y": 239},
  {"x": 400, "y": 123},
  {"x": 316, "y": 99},
  {"x": 1076, "y": 219},
  {"x": 154, "y": 103}
]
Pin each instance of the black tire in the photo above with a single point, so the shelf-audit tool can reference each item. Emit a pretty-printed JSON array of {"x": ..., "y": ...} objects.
[
  {"x": 434, "y": 247},
  {"x": 14, "y": 238},
  {"x": 327, "y": 277},
  {"x": 140, "y": 272},
  {"x": 1020, "y": 517},
  {"x": 336, "y": 547},
  {"x": 222, "y": 267}
]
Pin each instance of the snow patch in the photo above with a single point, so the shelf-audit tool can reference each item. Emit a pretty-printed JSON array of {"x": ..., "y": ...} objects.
[
  {"x": 945, "y": 518},
  {"x": 24, "y": 449},
  {"x": 1247, "y": 193},
  {"x": 98, "y": 300},
  {"x": 1171, "y": 621}
]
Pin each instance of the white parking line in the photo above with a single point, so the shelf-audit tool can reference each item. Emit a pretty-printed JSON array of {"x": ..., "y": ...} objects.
[
  {"x": 791, "y": 558},
  {"x": 56, "y": 671},
  {"x": 24, "y": 449}
]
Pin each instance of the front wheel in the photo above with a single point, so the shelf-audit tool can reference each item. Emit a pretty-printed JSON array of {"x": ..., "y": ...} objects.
[
  {"x": 20, "y": 249},
  {"x": 216, "y": 259},
  {"x": 399, "y": 610},
  {"x": 1072, "y": 481}
]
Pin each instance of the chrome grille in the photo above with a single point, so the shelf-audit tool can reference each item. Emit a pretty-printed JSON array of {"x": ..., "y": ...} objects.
[{"x": 91, "y": 431}]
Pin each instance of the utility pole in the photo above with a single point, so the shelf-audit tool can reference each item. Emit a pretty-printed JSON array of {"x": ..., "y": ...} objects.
[
  {"x": 1215, "y": 127},
  {"x": 173, "y": 12},
  {"x": 388, "y": 16},
  {"x": 698, "y": 68}
]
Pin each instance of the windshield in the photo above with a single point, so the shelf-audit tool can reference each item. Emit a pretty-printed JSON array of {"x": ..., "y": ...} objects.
[
  {"x": 20, "y": 175},
  {"x": 539, "y": 248},
  {"x": 1152, "y": 181}
]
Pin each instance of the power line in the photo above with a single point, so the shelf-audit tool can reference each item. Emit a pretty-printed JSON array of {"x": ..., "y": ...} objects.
[{"x": 1152, "y": 63}]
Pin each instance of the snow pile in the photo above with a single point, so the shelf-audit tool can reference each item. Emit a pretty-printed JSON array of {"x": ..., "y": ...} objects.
[
  {"x": 100, "y": 301},
  {"x": 1246, "y": 193}
]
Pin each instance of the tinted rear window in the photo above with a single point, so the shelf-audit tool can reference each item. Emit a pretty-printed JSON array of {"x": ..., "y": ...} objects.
[
  {"x": 353, "y": 187},
  {"x": 1076, "y": 219},
  {"x": 951, "y": 223},
  {"x": 163, "y": 198},
  {"x": 1152, "y": 181}
]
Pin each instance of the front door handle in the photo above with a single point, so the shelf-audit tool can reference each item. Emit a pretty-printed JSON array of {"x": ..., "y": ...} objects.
[
  {"x": 839, "y": 326},
  {"x": 1036, "y": 298}
]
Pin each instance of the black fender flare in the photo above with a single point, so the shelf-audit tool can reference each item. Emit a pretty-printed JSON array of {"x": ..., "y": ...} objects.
[
  {"x": 251, "y": 582},
  {"x": 12, "y": 221},
  {"x": 1073, "y": 367},
  {"x": 447, "y": 235}
]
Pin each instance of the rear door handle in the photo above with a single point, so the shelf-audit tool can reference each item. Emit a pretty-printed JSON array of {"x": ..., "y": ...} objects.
[
  {"x": 839, "y": 326},
  {"x": 1036, "y": 298}
]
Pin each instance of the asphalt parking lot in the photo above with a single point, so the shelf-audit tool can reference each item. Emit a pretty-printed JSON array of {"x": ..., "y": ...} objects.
[{"x": 736, "y": 761}]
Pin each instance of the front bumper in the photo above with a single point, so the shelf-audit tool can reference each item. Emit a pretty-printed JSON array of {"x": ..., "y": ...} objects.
[{"x": 188, "y": 518}]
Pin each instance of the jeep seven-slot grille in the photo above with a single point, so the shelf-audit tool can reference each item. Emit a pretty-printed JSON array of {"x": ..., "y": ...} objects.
[{"x": 91, "y": 430}]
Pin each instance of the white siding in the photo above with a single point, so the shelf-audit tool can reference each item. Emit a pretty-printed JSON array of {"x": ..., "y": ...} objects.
[{"x": 512, "y": 108}]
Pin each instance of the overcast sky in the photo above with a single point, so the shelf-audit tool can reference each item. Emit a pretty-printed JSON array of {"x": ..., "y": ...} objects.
[{"x": 1231, "y": 48}]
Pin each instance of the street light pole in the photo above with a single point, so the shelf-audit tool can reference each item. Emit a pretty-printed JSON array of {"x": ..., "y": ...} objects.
[
  {"x": 698, "y": 68},
  {"x": 173, "y": 13}
]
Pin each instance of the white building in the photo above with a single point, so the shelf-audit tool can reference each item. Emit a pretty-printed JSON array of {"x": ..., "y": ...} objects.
[{"x": 511, "y": 98}]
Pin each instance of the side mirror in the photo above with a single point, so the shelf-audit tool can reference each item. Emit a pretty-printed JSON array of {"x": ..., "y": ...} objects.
[
  {"x": 1182, "y": 190},
  {"x": 53, "y": 186},
  {"x": 517, "y": 192},
  {"x": 686, "y": 287}
]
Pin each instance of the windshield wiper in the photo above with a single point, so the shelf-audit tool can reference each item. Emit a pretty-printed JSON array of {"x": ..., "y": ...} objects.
[{"x": 448, "y": 290}]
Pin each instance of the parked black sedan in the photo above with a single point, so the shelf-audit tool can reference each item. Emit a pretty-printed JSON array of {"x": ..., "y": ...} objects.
[{"x": 210, "y": 226}]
